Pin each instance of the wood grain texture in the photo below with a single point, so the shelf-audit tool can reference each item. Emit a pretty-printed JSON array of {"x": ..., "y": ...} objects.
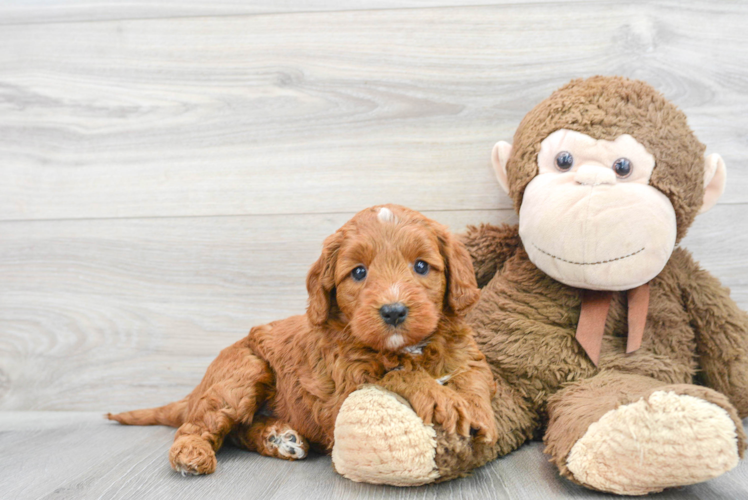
[
  {"x": 168, "y": 170},
  {"x": 55, "y": 11},
  {"x": 326, "y": 112},
  {"x": 53, "y": 455},
  {"x": 123, "y": 313}
]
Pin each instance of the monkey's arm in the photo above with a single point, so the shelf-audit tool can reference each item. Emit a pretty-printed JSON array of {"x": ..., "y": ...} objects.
[
  {"x": 721, "y": 333},
  {"x": 489, "y": 247}
]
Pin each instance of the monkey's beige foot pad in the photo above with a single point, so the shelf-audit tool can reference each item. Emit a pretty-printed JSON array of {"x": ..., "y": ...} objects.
[
  {"x": 379, "y": 439},
  {"x": 665, "y": 441}
]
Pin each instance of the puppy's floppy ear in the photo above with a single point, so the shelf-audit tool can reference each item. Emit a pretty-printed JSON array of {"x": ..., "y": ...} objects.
[
  {"x": 320, "y": 282},
  {"x": 462, "y": 289}
]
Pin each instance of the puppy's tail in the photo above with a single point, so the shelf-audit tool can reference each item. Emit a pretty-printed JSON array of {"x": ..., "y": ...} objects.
[{"x": 172, "y": 415}]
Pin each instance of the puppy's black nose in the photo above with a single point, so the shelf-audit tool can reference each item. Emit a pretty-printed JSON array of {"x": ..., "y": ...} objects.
[{"x": 393, "y": 314}]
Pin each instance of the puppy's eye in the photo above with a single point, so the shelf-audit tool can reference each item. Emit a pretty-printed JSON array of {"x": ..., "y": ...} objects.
[
  {"x": 421, "y": 267},
  {"x": 622, "y": 167},
  {"x": 564, "y": 161},
  {"x": 359, "y": 273}
]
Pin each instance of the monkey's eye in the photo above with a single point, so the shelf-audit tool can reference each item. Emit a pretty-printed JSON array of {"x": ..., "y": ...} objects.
[
  {"x": 622, "y": 167},
  {"x": 421, "y": 267},
  {"x": 564, "y": 161},
  {"x": 359, "y": 273}
]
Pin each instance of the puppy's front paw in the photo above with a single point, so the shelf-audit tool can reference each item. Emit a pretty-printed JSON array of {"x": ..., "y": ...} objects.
[
  {"x": 482, "y": 421},
  {"x": 192, "y": 455},
  {"x": 443, "y": 406}
]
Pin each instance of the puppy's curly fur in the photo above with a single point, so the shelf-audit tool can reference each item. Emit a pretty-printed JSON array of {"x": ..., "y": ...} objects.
[{"x": 301, "y": 369}]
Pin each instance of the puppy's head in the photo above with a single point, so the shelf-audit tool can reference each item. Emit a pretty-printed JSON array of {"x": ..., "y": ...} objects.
[{"x": 390, "y": 274}]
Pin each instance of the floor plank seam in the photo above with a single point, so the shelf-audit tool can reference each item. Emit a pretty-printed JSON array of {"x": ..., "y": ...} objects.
[
  {"x": 302, "y": 12},
  {"x": 289, "y": 214}
]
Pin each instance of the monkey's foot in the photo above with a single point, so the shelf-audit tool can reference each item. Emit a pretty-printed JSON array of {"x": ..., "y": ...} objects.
[
  {"x": 663, "y": 441},
  {"x": 380, "y": 439},
  {"x": 192, "y": 455}
]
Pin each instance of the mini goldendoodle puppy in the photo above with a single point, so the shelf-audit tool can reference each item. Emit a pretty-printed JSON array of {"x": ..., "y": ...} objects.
[{"x": 387, "y": 300}]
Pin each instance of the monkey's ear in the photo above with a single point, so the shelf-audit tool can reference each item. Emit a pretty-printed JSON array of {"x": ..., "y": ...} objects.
[
  {"x": 499, "y": 157},
  {"x": 320, "y": 282},
  {"x": 715, "y": 177}
]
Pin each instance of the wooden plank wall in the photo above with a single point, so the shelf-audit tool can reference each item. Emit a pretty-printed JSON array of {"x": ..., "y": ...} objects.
[{"x": 168, "y": 170}]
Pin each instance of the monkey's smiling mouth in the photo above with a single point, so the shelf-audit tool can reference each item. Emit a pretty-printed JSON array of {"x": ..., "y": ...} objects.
[{"x": 588, "y": 263}]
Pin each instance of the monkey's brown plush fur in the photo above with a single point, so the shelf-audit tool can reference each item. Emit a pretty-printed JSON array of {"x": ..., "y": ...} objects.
[
  {"x": 525, "y": 324},
  {"x": 525, "y": 321},
  {"x": 694, "y": 354}
]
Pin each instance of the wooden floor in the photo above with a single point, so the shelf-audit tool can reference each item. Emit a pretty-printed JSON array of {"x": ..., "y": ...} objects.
[
  {"x": 74, "y": 455},
  {"x": 168, "y": 170}
]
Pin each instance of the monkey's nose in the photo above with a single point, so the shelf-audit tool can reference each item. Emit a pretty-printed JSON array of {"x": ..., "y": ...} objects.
[
  {"x": 592, "y": 175},
  {"x": 393, "y": 314}
]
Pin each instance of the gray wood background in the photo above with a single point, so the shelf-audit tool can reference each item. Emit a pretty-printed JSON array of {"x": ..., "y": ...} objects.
[{"x": 168, "y": 170}]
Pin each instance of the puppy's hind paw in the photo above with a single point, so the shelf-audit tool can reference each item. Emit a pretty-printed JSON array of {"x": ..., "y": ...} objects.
[
  {"x": 192, "y": 455},
  {"x": 287, "y": 444}
]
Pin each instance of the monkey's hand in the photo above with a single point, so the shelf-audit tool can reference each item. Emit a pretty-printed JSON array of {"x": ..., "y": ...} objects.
[{"x": 721, "y": 332}]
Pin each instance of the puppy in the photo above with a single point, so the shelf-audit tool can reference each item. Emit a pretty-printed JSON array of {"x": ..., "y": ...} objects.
[{"x": 387, "y": 300}]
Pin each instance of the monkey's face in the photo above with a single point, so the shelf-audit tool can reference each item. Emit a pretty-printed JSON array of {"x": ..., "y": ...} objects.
[
  {"x": 590, "y": 219},
  {"x": 599, "y": 214}
]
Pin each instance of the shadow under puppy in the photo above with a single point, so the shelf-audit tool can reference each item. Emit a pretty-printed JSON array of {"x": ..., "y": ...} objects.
[{"x": 387, "y": 300}]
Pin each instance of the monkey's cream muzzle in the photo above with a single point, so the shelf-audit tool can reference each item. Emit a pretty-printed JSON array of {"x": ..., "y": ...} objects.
[
  {"x": 593, "y": 175},
  {"x": 590, "y": 228},
  {"x": 597, "y": 236}
]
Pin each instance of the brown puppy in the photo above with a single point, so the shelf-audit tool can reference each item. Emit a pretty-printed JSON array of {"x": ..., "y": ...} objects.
[{"x": 387, "y": 300}]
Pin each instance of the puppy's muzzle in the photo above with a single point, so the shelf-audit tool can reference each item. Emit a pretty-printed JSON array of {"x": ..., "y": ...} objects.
[{"x": 393, "y": 314}]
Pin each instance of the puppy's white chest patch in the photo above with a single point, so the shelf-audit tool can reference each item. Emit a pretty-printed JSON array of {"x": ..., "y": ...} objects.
[{"x": 394, "y": 341}]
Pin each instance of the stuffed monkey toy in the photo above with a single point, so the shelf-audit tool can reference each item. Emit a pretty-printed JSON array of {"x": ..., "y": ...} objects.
[{"x": 604, "y": 336}]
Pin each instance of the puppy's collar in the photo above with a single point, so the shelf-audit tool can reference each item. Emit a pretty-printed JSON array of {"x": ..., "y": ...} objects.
[{"x": 417, "y": 349}]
